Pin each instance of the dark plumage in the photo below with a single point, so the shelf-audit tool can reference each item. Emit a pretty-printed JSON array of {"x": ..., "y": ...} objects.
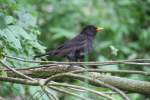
[{"x": 78, "y": 46}]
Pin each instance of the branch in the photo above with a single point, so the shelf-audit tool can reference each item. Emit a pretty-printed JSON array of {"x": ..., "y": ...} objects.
[
  {"x": 145, "y": 62},
  {"x": 66, "y": 92},
  {"x": 19, "y": 81},
  {"x": 27, "y": 60},
  {"x": 79, "y": 87},
  {"x": 91, "y": 80},
  {"x": 113, "y": 71},
  {"x": 46, "y": 71},
  {"x": 50, "y": 95},
  {"x": 126, "y": 84},
  {"x": 15, "y": 71},
  {"x": 35, "y": 95}
]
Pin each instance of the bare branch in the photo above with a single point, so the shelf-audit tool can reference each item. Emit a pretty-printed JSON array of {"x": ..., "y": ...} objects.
[
  {"x": 35, "y": 95},
  {"x": 19, "y": 81},
  {"x": 125, "y": 84},
  {"x": 66, "y": 92},
  {"x": 15, "y": 71},
  {"x": 127, "y": 62},
  {"x": 27, "y": 60},
  {"x": 48, "y": 94},
  {"x": 51, "y": 93},
  {"x": 113, "y": 71},
  {"x": 79, "y": 87},
  {"x": 94, "y": 81}
]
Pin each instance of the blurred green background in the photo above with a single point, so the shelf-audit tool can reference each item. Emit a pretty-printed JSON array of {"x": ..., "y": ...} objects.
[{"x": 29, "y": 27}]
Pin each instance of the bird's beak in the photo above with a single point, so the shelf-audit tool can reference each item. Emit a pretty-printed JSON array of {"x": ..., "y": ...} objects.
[{"x": 99, "y": 29}]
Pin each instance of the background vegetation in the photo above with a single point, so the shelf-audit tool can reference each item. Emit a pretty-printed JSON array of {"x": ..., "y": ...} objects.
[{"x": 28, "y": 27}]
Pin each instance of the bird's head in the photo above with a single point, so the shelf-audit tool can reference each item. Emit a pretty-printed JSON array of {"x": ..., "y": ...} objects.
[{"x": 91, "y": 30}]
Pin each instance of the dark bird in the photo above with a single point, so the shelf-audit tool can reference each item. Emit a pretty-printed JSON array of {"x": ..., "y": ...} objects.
[{"x": 76, "y": 48}]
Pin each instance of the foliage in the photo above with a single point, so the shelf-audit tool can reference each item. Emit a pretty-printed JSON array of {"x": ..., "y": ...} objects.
[
  {"x": 126, "y": 24},
  {"x": 18, "y": 37},
  {"x": 18, "y": 31}
]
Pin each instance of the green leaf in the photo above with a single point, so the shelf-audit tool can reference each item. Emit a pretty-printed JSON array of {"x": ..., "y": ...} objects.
[
  {"x": 26, "y": 19},
  {"x": 3, "y": 73},
  {"x": 11, "y": 37},
  {"x": 114, "y": 51},
  {"x": 1, "y": 49},
  {"x": 18, "y": 89},
  {"x": 2, "y": 21},
  {"x": 9, "y": 20},
  {"x": 39, "y": 47},
  {"x": 19, "y": 32}
]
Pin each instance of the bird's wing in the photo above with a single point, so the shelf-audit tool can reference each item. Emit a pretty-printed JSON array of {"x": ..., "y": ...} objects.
[
  {"x": 77, "y": 43},
  {"x": 78, "y": 40}
]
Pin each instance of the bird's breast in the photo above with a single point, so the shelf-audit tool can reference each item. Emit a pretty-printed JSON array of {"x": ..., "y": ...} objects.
[{"x": 89, "y": 45}]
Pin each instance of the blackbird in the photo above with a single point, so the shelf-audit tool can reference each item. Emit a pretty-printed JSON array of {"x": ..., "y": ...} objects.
[{"x": 76, "y": 48}]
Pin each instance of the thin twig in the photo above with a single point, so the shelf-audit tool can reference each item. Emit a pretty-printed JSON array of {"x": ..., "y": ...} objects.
[
  {"x": 27, "y": 60},
  {"x": 104, "y": 63},
  {"x": 66, "y": 92},
  {"x": 53, "y": 96},
  {"x": 129, "y": 62},
  {"x": 33, "y": 67},
  {"x": 17, "y": 72},
  {"x": 110, "y": 93},
  {"x": 19, "y": 81},
  {"x": 81, "y": 77},
  {"x": 113, "y": 71},
  {"x": 75, "y": 89},
  {"x": 79, "y": 87},
  {"x": 49, "y": 95},
  {"x": 31, "y": 97}
]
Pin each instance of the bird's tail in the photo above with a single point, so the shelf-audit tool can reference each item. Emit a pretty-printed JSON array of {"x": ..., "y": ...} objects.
[{"x": 45, "y": 54}]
